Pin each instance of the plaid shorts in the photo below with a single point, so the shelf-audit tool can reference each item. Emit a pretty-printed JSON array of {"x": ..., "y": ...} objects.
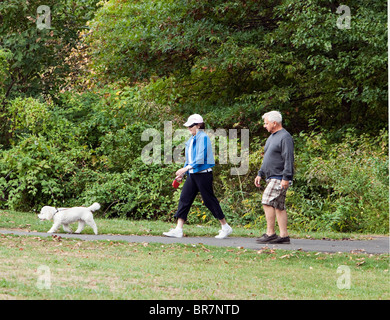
[{"x": 273, "y": 195}]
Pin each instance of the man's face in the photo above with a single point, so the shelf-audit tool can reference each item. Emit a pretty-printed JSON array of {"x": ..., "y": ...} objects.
[{"x": 269, "y": 126}]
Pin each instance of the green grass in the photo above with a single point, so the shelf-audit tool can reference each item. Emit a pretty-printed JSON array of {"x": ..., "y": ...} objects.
[
  {"x": 117, "y": 270},
  {"x": 29, "y": 221}
]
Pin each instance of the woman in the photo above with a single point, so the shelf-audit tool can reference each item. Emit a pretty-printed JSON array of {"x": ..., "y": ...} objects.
[{"x": 199, "y": 161}]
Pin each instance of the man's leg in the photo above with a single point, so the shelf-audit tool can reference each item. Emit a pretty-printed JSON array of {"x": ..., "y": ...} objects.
[
  {"x": 281, "y": 216},
  {"x": 270, "y": 218}
]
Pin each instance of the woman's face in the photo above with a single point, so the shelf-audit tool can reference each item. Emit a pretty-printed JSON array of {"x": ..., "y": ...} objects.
[{"x": 194, "y": 129}]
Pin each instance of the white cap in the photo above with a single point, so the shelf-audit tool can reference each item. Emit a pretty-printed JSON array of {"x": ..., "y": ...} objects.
[{"x": 195, "y": 118}]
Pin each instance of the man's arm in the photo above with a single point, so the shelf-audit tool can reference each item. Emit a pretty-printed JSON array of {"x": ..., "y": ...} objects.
[{"x": 288, "y": 157}]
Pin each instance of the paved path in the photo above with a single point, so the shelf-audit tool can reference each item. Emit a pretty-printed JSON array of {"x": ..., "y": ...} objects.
[{"x": 376, "y": 246}]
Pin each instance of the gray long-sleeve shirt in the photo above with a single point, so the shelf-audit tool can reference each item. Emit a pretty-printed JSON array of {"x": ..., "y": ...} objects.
[{"x": 278, "y": 156}]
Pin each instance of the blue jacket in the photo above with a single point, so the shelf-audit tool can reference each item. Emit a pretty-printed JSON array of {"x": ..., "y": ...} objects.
[{"x": 202, "y": 156}]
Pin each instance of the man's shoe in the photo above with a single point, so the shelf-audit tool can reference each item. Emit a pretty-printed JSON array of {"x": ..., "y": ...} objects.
[
  {"x": 281, "y": 240},
  {"x": 265, "y": 238},
  {"x": 174, "y": 233},
  {"x": 224, "y": 233}
]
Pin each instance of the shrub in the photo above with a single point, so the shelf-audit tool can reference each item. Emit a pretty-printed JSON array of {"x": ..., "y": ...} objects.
[
  {"x": 89, "y": 149},
  {"x": 142, "y": 191},
  {"x": 341, "y": 186}
]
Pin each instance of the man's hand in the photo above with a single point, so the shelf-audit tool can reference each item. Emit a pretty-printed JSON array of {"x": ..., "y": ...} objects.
[
  {"x": 284, "y": 184},
  {"x": 257, "y": 181}
]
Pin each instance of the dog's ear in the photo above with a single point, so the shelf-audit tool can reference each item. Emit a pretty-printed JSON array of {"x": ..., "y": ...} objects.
[{"x": 48, "y": 212}]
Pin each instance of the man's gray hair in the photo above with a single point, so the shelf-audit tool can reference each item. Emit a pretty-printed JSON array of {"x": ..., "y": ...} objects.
[{"x": 273, "y": 116}]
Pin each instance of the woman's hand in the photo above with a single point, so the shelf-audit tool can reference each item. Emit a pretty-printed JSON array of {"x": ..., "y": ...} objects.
[{"x": 180, "y": 173}]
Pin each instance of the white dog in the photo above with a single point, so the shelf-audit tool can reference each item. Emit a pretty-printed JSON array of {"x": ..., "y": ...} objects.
[{"x": 66, "y": 216}]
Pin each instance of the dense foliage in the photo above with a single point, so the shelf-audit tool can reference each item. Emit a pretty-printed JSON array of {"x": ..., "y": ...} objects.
[
  {"x": 76, "y": 99},
  {"x": 236, "y": 59}
]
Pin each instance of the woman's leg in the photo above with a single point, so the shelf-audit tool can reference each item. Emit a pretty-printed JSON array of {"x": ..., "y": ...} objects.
[
  {"x": 187, "y": 197},
  {"x": 204, "y": 182}
]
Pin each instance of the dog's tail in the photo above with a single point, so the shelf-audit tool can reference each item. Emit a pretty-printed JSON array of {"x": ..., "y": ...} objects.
[{"x": 94, "y": 207}]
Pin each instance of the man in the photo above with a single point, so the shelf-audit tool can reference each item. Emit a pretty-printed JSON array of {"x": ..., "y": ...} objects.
[{"x": 278, "y": 169}]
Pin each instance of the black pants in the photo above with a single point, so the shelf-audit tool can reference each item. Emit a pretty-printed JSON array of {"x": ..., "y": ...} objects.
[{"x": 203, "y": 183}]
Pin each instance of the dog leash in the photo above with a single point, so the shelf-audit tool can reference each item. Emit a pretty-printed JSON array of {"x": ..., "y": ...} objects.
[{"x": 58, "y": 210}]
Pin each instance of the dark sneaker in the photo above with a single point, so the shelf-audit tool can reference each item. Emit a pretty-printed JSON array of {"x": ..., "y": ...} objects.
[
  {"x": 265, "y": 238},
  {"x": 281, "y": 240}
]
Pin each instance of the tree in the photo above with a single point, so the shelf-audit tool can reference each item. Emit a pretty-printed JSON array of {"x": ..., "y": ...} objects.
[
  {"x": 5, "y": 56},
  {"x": 233, "y": 60},
  {"x": 334, "y": 74},
  {"x": 40, "y": 46}
]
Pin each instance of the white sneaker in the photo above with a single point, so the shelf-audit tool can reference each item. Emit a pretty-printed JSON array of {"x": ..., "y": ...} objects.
[
  {"x": 224, "y": 233},
  {"x": 174, "y": 233}
]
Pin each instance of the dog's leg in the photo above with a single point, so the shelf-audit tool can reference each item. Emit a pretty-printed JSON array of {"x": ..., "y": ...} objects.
[
  {"x": 80, "y": 227},
  {"x": 92, "y": 224},
  {"x": 67, "y": 228},
  {"x": 54, "y": 228}
]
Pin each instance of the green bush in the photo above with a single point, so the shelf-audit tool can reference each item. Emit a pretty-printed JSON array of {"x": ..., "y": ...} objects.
[
  {"x": 88, "y": 149},
  {"x": 341, "y": 186},
  {"x": 142, "y": 191}
]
